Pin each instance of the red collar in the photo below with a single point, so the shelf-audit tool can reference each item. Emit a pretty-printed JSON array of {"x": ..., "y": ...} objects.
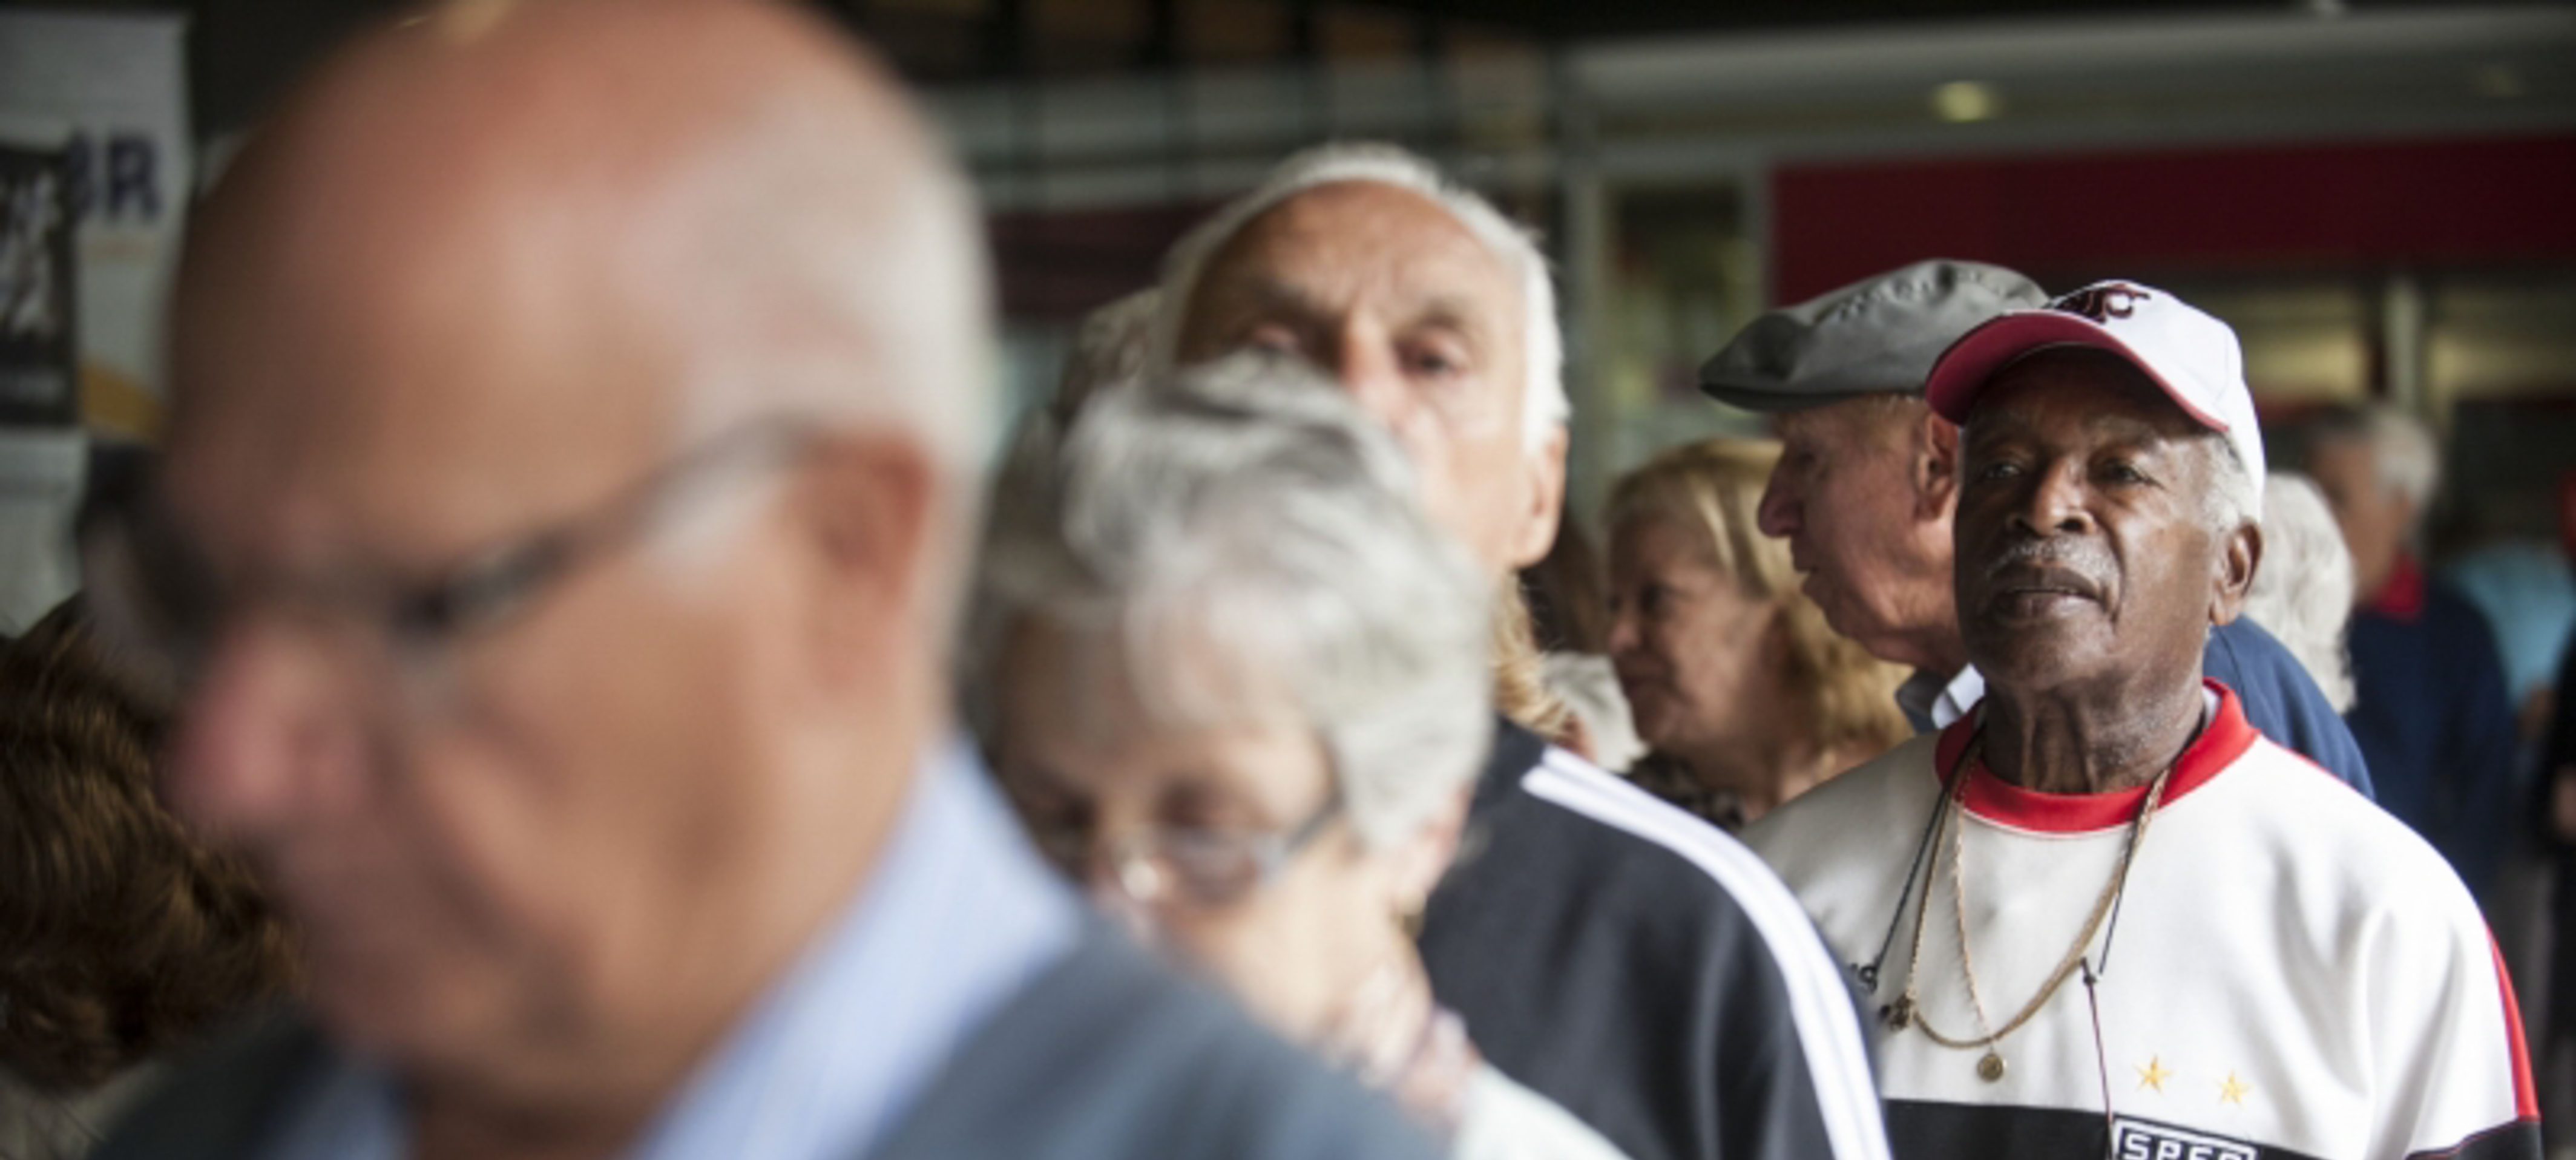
[
  {"x": 1996, "y": 800},
  {"x": 2402, "y": 597}
]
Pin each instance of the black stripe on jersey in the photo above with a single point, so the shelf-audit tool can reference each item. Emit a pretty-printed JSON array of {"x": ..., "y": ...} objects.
[
  {"x": 2519, "y": 1140},
  {"x": 1924, "y": 1130}
]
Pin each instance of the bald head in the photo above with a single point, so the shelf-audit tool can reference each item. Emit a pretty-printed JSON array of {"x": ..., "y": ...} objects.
[
  {"x": 510, "y": 299},
  {"x": 723, "y": 193}
]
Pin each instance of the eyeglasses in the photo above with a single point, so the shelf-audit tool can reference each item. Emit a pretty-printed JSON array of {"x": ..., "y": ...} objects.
[
  {"x": 1198, "y": 866},
  {"x": 157, "y": 595}
]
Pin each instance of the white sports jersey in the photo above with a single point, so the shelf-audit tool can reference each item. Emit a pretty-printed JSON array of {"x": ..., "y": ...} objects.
[{"x": 2290, "y": 971}]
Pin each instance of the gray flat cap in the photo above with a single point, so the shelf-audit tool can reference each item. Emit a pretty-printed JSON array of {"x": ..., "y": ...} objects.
[{"x": 1877, "y": 336}]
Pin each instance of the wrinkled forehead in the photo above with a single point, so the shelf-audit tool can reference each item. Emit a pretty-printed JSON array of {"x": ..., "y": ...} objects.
[{"x": 1352, "y": 246}]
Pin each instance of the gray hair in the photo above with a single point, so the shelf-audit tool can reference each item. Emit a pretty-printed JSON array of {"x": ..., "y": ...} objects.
[
  {"x": 1590, "y": 689},
  {"x": 2230, "y": 502},
  {"x": 1247, "y": 518},
  {"x": 1108, "y": 349},
  {"x": 2407, "y": 456},
  {"x": 2303, "y": 589},
  {"x": 1543, "y": 402}
]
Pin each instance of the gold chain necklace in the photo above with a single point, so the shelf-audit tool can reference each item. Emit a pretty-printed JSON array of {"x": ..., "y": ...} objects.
[{"x": 1908, "y": 1008}]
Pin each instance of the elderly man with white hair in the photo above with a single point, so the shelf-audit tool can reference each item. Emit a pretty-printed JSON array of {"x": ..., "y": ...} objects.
[
  {"x": 2430, "y": 705},
  {"x": 2104, "y": 915},
  {"x": 577, "y": 436},
  {"x": 1616, "y": 955}
]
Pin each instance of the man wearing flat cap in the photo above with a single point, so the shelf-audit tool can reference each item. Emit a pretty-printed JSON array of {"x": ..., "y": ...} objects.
[
  {"x": 1869, "y": 476},
  {"x": 2101, "y": 914}
]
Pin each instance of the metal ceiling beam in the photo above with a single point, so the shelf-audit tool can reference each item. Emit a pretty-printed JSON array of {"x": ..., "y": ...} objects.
[
  {"x": 1783, "y": 67},
  {"x": 1672, "y": 109}
]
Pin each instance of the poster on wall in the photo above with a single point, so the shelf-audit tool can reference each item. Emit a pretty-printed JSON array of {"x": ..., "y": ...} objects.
[
  {"x": 42, "y": 445},
  {"x": 39, "y": 354},
  {"x": 117, "y": 83}
]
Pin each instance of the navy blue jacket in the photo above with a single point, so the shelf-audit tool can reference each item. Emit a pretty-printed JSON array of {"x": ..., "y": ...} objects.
[
  {"x": 2283, "y": 702},
  {"x": 1645, "y": 971},
  {"x": 2432, "y": 715}
]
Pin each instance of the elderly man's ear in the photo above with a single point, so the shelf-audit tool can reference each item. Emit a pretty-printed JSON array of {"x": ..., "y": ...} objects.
[
  {"x": 1934, "y": 466},
  {"x": 2232, "y": 572},
  {"x": 863, "y": 511},
  {"x": 1544, "y": 501}
]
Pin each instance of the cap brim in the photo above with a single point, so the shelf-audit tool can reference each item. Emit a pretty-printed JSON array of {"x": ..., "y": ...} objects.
[
  {"x": 1771, "y": 400},
  {"x": 1971, "y": 362},
  {"x": 1776, "y": 394}
]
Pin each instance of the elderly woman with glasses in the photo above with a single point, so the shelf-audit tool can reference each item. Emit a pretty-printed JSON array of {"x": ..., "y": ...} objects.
[{"x": 1236, "y": 685}]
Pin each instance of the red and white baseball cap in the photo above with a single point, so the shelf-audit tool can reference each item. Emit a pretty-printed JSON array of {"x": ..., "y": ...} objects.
[{"x": 2190, "y": 355}]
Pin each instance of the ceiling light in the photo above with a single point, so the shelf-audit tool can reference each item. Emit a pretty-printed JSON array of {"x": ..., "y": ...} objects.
[{"x": 1966, "y": 101}]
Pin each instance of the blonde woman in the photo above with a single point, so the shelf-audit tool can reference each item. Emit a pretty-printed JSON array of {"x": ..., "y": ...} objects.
[{"x": 1743, "y": 693}]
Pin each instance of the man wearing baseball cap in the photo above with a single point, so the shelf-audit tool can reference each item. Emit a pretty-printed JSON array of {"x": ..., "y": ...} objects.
[
  {"x": 1869, "y": 476},
  {"x": 2101, "y": 914}
]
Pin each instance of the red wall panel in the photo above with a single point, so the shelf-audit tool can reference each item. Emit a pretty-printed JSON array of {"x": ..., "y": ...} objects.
[{"x": 2332, "y": 206}]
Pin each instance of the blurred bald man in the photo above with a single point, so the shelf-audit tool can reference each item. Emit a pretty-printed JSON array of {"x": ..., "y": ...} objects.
[
  {"x": 1623, "y": 958},
  {"x": 577, "y": 421}
]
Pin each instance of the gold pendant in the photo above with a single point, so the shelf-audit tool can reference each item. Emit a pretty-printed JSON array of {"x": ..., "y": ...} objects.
[
  {"x": 1899, "y": 1014},
  {"x": 1991, "y": 1068}
]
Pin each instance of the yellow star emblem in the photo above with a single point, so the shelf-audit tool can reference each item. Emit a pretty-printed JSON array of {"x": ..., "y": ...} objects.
[
  {"x": 2234, "y": 1090},
  {"x": 2154, "y": 1074}
]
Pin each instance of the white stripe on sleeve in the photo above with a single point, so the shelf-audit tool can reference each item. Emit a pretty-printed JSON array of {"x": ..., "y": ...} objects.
[{"x": 1820, "y": 1004}]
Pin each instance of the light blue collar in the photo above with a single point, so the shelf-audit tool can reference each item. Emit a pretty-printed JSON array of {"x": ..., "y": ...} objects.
[{"x": 957, "y": 916}]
